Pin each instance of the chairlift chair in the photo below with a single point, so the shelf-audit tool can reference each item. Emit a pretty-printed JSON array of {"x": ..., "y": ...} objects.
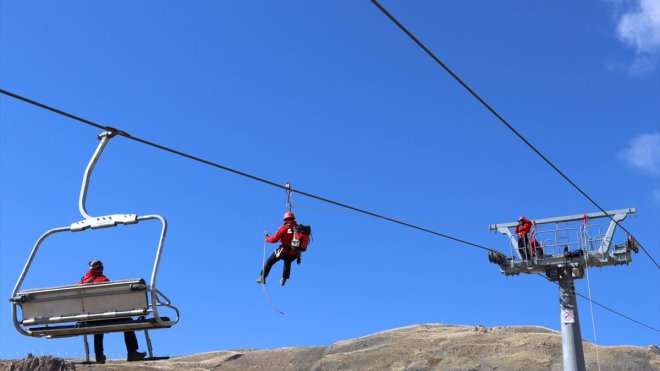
[{"x": 115, "y": 306}]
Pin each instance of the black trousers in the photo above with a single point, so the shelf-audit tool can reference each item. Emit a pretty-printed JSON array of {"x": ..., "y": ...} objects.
[
  {"x": 129, "y": 338},
  {"x": 272, "y": 259},
  {"x": 523, "y": 247}
]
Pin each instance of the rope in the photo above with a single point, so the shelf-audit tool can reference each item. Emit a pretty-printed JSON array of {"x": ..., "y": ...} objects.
[
  {"x": 591, "y": 305},
  {"x": 263, "y": 282},
  {"x": 593, "y": 320}
]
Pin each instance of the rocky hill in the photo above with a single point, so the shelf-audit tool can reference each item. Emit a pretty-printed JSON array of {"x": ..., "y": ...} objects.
[{"x": 419, "y": 347}]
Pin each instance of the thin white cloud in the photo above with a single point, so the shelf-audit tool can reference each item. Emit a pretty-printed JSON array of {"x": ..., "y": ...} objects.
[
  {"x": 655, "y": 195},
  {"x": 639, "y": 28},
  {"x": 643, "y": 153}
]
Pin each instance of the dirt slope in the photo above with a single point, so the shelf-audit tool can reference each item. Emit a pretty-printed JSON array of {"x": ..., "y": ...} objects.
[{"x": 419, "y": 347}]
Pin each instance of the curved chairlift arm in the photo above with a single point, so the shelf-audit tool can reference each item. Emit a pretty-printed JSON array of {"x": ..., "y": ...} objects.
[
  {"x": 24, "y": 272},
  {"x": 32, "y": 254},
  {"x": 104, "y": 139},
  {"x": 154, "y": 273}
]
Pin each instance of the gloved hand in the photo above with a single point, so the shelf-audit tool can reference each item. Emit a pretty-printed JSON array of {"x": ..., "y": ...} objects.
[
  {"x": 266, "y": 234},
  {"x": 299, "y": 260}
]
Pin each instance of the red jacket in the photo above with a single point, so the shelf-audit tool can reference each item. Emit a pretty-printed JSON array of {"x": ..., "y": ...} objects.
[
  {"x": 524, "y": 228},
  {"x": 284, "y": 235},
  {"x": 93, "y": 276}
]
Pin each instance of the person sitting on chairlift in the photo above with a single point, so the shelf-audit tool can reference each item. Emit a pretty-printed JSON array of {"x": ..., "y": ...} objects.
[
  {"x": 95, "y": 275},
  {"x": 285, "y": 252}
]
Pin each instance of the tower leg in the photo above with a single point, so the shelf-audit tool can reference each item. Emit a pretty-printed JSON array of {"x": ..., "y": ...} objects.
[{"x": 571, "y": 337}]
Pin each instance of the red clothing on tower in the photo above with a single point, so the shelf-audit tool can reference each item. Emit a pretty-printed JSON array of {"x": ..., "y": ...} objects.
[{"x": 524, "y": 228}]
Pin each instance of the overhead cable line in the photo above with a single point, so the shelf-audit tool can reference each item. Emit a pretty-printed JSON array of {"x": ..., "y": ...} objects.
[
  {"x": 210, "y": 163},
  {"x": 603, "y": 306},
  {"x": 500, "y": 118},
  {"x": 615, "y": 312}
]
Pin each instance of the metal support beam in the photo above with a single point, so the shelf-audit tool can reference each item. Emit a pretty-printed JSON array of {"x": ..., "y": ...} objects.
[
  {"x": 607, "y": 239},
  {"x": 571, "y": 218}
]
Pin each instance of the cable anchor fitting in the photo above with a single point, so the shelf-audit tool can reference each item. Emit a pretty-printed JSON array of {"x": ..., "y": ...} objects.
[{"x": 288, "y": 190}]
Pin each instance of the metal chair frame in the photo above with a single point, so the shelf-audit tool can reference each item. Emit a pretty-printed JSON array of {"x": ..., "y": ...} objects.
[{"x": 74, "y": 310}]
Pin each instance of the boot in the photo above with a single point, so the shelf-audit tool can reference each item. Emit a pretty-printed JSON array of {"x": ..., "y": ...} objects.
[
  {"x": 136, "y": 356},
  {"x": 100, "y": 359},
  {"x": 282, "y": 281},
  {"x": 261, "y": 280}
]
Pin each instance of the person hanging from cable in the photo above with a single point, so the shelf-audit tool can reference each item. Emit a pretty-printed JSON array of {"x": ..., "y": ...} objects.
[
  {"x": 95, "y": 275},
  {"x": 293, "y": 239},
  {"x": 522, "y": 233}
]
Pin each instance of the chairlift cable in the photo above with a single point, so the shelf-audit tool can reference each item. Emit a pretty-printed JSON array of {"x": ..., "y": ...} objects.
[
  {"x": 126, "y": 135},
  {"x": 499, "y": 117},
  {"x": 210, "y": 163},
  {"x": 603, "y": 306}
]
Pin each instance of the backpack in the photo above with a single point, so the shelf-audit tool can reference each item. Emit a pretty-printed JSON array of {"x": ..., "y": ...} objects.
[{"x": 301, "y": 234}]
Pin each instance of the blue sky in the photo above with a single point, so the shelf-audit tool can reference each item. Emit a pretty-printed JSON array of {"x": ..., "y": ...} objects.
[{"x": 332, "y": 97}]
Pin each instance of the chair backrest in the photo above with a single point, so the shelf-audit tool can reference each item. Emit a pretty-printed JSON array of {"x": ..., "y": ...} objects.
[{"x": 101, "y": 301}]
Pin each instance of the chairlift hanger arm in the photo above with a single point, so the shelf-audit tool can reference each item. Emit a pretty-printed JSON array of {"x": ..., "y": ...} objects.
[{"x": 104, "y": 139}]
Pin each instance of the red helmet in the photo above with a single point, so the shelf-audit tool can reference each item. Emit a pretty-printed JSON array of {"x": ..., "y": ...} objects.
[
  {"x": 288, "y": 215},
  {"x": 522, "y": 218}
]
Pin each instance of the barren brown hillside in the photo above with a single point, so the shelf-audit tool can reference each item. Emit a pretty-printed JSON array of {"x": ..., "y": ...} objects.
[{"x": 419, "y": 347}]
